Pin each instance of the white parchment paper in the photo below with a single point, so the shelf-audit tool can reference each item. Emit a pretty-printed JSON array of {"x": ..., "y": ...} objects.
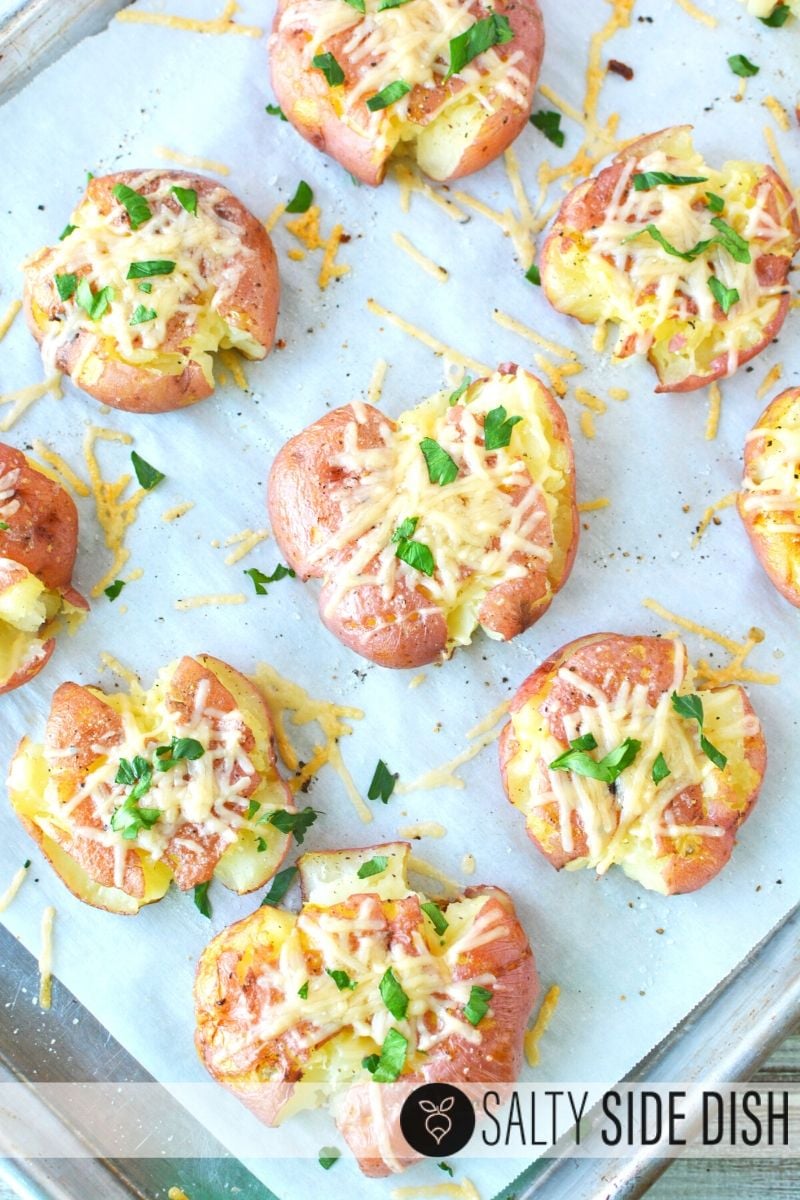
[{"x": 630, "y": 964}]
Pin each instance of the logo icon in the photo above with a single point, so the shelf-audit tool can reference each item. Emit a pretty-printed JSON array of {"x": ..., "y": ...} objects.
[{"x": 437, "y": 1119}]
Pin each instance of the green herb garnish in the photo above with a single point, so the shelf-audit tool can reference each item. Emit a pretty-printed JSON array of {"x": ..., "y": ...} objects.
[
  {"x": 533, "y": 275},
  {"x": 186, "y": 197},
  {"x": 382, "y": 784},
  {"x": 260, "y": 580},
  {"x": 442, "y": 469},
  {"x": 715, "y": 203},
  {"x": 329, "y": 67},
  {"x": 279, "y": 887},
  {"x": 477, "y": 1006},
  {"x": 375, "y": 866},
  {"x": 151, "y": 266},
  {"x": 93, "y": 304},
  {"x": 549, "y": 123},
  {"x": 644, "y": 181},
  {"x": 392, "y": 1058},
  {"x": 301, "y": 200},
  {"x": 66, "y": 231},
  {"x": 606, "y": 770},
  {"x": 691, "y": 708},
  {"x": 275, "y": 110},
  {"x": 142, "y": 314},
  {"x": 137, "y": 207},
  {"x": 459, "y": 392},
  {"x": 114, "y": 589},
  {"x": 342, "y": 980},
  {"x": 389, "y": 95},
  {"x": 497, "y": 428},
  {"x": 725, "y": 297},
  {"x": 493, "y": 30},
  {"x": 777, "y": 17},
  {"x": 435, "y": 916},
  {"x": 179, "y": 750},
  {"x": 329, "y": 1155},
  {"x": 65, "y": 285},
  {"x": 148, "y": 476},
  {"x": 730, "y": 240},
  {"x": 201, "y": 900},
  {"x": 660, "y": 769},
  {"x": 393, "y": 995},
  {"x": 296, "y": 823},
  {"x": 742, "y": 66}
]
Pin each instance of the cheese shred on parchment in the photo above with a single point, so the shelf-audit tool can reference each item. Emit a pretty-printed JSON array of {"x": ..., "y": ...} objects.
[
  {"x": 465, "y": 1190},
  {"x": 779, "y": 113},
  {"x": 714, "y": 411},
  {"x": 422, "y": 260},
  {"x": 192, "y": 160},
  {"x": 224, "y": 23},
  {"x": 286, "y": 698},
  {"x": 179, "y": 510},
  {"x": 212, "y": 600},
  {"x": 770, "y": 379},
  {"x": 46, "y": 958},
  {"x": 115, "y": 513},
  {"x": 545, "y": 1015},
  {"x": 10, "y": 893},
  {"x": 62, "y": 468},
  {"x": 478, "y": 738},
  {"x": 531, "y": 335},
  {"x": 410, "y": 180},
  {"x": 375, "y": 389},
  {"x": 712, "y": 510},
  {"x": 439, "y": 348},
  {"x": 697, "y": 14},
  {"x": 245, "y": 543},
  {"x": 9, "y": 316},
  {"x": 732, "y": 672},
  {"x": 593, "y": 505},
  {"x": 21, "y": 399}
]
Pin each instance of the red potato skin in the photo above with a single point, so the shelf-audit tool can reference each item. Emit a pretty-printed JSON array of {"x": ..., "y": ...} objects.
[
  {"x": 42, "y": 536},
  {"x": 497, "y": 1059},
  {"x": 763, "y": 543},
  {"x": 607, "y": 660},
  {"x": 252, "y": 306},
  {"x": 584, "y": 208},
  {"x": 295, "y": 86},
  {"x": 408, "y": 630},
  {"x": 81, "y": 719}
]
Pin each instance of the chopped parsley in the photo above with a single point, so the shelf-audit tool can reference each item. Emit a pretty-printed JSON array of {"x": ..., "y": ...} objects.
[
  {"x": 389, "y": 95},
  {"x": 725, "y": 297},
  {"x": 275, "y": 110},
  {"x": 715, "y": 202},
  {"x": 141, "y": 314},
  {"x": 201, "y": 900},
  {"x": 645, "y": 181},
  {"x": 301, "y": 200},
  {"x": 777, "y": 18},
  {"x": 731, "y": 241},
  {"x": 393, "y": 995},
  {"x": 342, "y": 980},
  {"x": 442, "y": 469},
  {"x": 533, "y": 275},
  {"x": 329, "y": 1155},
  {"x": 549, "y": 123},
  {"x": 382, "y": 785},
  {"x": 186, "y": 197},
  {"x": 147, "y": 475},
  {"x": 375, "y": 866},
  {"x": 742, "y": 66},
  {"x": 179, "y": 750},
  {"x": 497, "y": 428},
  {"x": 279, "y": 887},
  {"x": 477, "y": 1006},
  {"x": 66, "y": 231},
  {"x": 608, "y": 769},
  {"x": 94, "y": 304},
  {"x": 329, "y": 67},
  {"x": 660, "y": 769},
  {"x": 303, "y": 991},
  {"x": 691, "y": 708},
  {"x": 260, "y": 580},
  {"x": 150, "y": 266},
  {"x": 137, "y": 207},
  {"x": 493, "y": 30},
  {"x": 296, "y": 823},
  {"x": 387, "y": 1066},
  {"x": 416, "y": 554},
  {"x": 435, "y": 916},
  {"x": 114, "y": 589},
  {"x": 459, "y": 392},
  {"x": 66, "y": 285}
]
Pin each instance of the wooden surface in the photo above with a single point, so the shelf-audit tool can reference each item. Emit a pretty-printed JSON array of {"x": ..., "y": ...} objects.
[{"x": 716, "y": 1179}]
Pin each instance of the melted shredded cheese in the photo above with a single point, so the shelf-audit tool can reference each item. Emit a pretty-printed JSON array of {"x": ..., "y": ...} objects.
[
  {"x": 209, "y": 256},
  {"x": 531, "y": 335},
  {"x": 698, "y": 14},
  {"x": 422, "y": 260},
  {"x": 330, "y": 268},
  {"x": 284, "y": 698},
  {"x": 9, "y": 316},
  {"x": 465, "y": 1190},
  {"x": 62, "y": 468},
  {"x": 545, "y": 1015},
  {"x": 779, "y": 113},
  {"x": 770, "y": 379},
  {"x": 9, "y": 895},
  {"x": 247, "y": 541},
  {"x": 224, "y": 23},
  {"x": 410, "y": 180},
  {"x": 46, "y": 959},
  {"x": 422, "y": 829},
  {"x": 735, "y": 670},
  {"x": 23, "y": 398},
  {"x": 593, "y": 505},
  {"x": 439, "y": 348},
  {"x": 770, "y": 493},
  {"x": 714, "y": 411},
  {"x": 375, "y": 389},
  {"x": 710, "y": 513},
  {"x": 191, "y": 160},
  {"x": 586, "y": 423},
  {"x": 179, "y": 510},
  {"x": 211, "y": 600},
  {"x": 479, "y": 737},
  {"x": 115, "y": 514}
]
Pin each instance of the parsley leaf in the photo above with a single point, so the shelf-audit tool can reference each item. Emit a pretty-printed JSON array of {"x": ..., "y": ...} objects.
[
  {"x": 393, "y": 995},
  {"x": 260, "y": 580},
  {"x": 383, "y": 782},
  {"x": 436, "y": 916},
  {"x": 405, "y": 529},
  {"x": 660, "y": 769},
  {"x": 657, "y": 236},
  {"x": 65, "y": 285},
  {"x": 443, "y": 1166},
  {"x": 382, "y": 4},
  {"x": 114, "y": 589},
  {"x": 392, "y": 1058},
  {"x": 477, "y": 1006},
  {"x": 329, "y": 67},
  {"x": 4, "y": 525},
  {"x": 150, "y": 266},
  {"x": 375, "y": 866},
  {"x": 201, "y": 900},
  {"x": 129, "y": 819},
  {"x": 329, "y": 1155},
  {"x": 497, "y": 428},
  {"x": 715, "y": 202},
  {"x": 179, "y": 750},
  {"x": 549, "y": 123},
  {"x": 136, "y": 774},
  {"x": 148, "y": 476},
  {"x": 342, "y": 980},
  {"x": 742, "y": 66},
  {"x": 279, "y": 887},
  {"x": 275, "y": 110},
  {"x": 606, "y": 770},
  {"x": 186, "y": 197},
  {"x": 301, "y": 200},
  {"x": 717, "y": 757},
  {"x": 691, "y": 707},
  {"x": 303, "y": 991},
  {"x": 389, "y": 95},
  {"x": 416, "y": 554},
  {"x": 731, "y": 241},
  {"x": 442, "y": 469},
  {"x": 142, "y": 314},
  {"x": 777, "y": 18},
  {"x": 252, "y": 808},
  {"x": 533, "y": 275},
  {"x": 457, "y": 394},
  {"x": 137, "y": 207},
  {"x": 94, "y": 304},
  {"x": 645, "y": 181},
  {"x": 297, "y": 823},
  {"x": 66, "y": 231},
  {"x": 145, "y": 287},
  {"x": 493, "y": 30},
  {"x": 725, "y": 297}
]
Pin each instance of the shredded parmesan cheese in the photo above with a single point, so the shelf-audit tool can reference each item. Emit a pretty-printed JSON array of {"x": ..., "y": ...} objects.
[
  {"x": 375, "y": 389},
  {"x": 525, "y": 331},
  {"x": 23, "y": 398},
  {"x": 698, "y": 14},
  {"x": 777, "y": 157},
  {"x": 594, "y": 505},
  {"x": 465, "y": 1190},
  {"x": 590, "y": 401},
  {"x": 618, "y": 393},
  {"x": 422, "y": 829},
  {"x": 179, "y": 510},
  {"x": 438, "y": 348},
  {"x": 191, "y": 160},
  {"x": 419, "y": 866},
  {"x": 212, "y": 600},
  {"x": 534, "y": 1035},
  {"x": 275, "y": 216},
  {"x": 224, "y": 23},
  {"x": 422, "y": 260},
  {"x": 247, "y": 543},
  {"x": 115, "y": 514},
  {"x": 410, "y": 181},
  {"x": 479, "y": 737},
  {"x": 770, "y": 379},
  {"x": 330, "y": 269},
  {"x": 62, "y": 468},
  {"x": 9, "y": 316},
  {"x": 233, "y": 362},
  {"x": 468, "y": 864},
  {"x": 46, "y": 959},
  {"x": 732, "y": 672},
  {"x": 777, "y": 111},
  {"x": 587, "y": 424},
  {"x": 416, "y": 681},
  {"x": 285, "y": 697},
  {"x": 714, "y": 411},
  {"x": 9, "y": 895}
]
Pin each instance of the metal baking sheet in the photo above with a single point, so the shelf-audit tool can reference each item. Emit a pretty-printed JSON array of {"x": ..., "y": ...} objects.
[{"x": 638, "y": 546}]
